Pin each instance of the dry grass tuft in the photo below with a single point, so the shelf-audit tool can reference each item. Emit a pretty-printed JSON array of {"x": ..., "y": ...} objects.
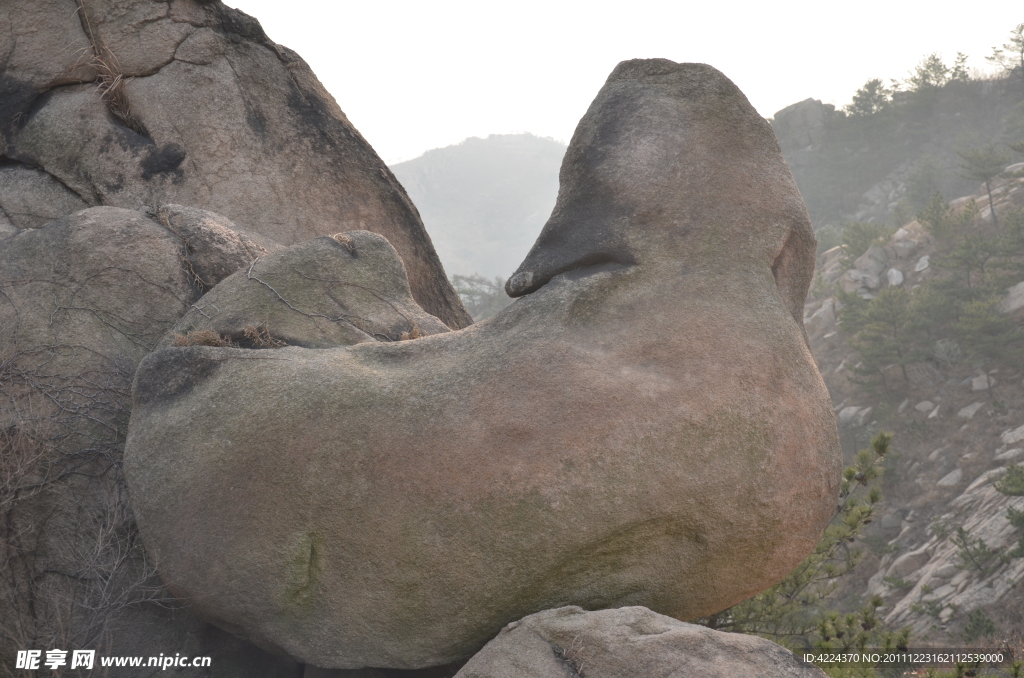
[
  {"x": 111, "y": 80},
  {"x": 260, "y": 336},
  {"x": 345, "y": 242},
  {"x": 414, "y": 333},
  {"x": 201, "y": 338}
]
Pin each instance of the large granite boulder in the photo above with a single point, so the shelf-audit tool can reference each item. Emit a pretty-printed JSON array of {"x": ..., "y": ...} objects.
[
  {"x": 645, "y": 426},
  {"x": 131, "y": 103},
  {"x": 82, "y": 300},
  {"x": 330, "y": 291},
  {"x": 629, "y": 642}
]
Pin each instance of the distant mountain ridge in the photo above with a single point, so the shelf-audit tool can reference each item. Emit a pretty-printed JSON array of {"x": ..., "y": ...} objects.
[{"x": 484, "y": 201}]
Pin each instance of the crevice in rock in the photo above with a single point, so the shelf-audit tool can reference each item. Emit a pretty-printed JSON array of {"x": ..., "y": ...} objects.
[
  {"x": 6, "y": 161},
  {"x": 111, "y": 79},
  {"x": 569, "y": 657}
]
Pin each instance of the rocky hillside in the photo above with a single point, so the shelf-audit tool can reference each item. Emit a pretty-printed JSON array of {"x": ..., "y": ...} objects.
[
  {"x": 941, "y": 552},
  {"x": 484, "y": 201},
  {"x": 858, "y": 167}
]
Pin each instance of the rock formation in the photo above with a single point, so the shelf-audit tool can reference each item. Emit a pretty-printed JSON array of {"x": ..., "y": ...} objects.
[
  {"x": 329, "y": 291},
  {"x": 645, "y": 426},
  {"x": 82, "y": 300},
  {"x": 630, "y": 642},
  {"x": 129, "y": 103}
]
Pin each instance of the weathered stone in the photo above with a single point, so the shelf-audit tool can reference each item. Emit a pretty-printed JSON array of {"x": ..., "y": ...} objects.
[
  {"x": 924, "y": 406},
  {"x": 329, "y": 291},
  {"x": 629, "y": 642},
  {"x": 971, "y": 410},
  {"x": 951, "y": 479},
  {"x": 909, "y": 563},
  {"x": 822, "y": 319},
  {"x": 214, "y": 247},
  {"x": 1009, "y": 454},
  {"x": 1013, "y": 303},
  {"x": 1012, "y": 436},
  {"x": 82, "y": 300},
  {"x": 894, "y": 276},
  {"x": 208, "y": 112},
  {"x": 646, "y": 425},
  {"x": 922, "y": 263},
  {"x": 982, "y": 382},
  {"x": 32, "y": 198},
  {"x": 873, "y": 261}
]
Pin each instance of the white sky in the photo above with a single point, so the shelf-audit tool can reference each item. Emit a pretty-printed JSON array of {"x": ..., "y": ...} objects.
[{"x": 416, "y": 75}]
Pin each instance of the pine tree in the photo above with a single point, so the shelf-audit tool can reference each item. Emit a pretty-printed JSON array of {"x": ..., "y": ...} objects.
[
  {"x": 984, "y": 164},
  {"x": 884, "y": 336},
  {"x": 988, "y": 335},
  {"x": 1010, "y": 57}
]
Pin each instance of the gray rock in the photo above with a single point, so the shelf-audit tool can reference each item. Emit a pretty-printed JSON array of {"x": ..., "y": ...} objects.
[
  {"x": 644, "y": 426},
  {"x": 1013, "y": 303},
  {"x": 329, "y": 291},
  {"x": 951, "y": 479},
  {"x": 892, "y": 521},
  {"x": 894, "y": 276},
  {"x": 873, "y": 261},
  {"x": 208, "y": 112},
  {"x": 921, "y": 264},
  {"x": 909, "y": 563},
  {"x": 32, "y": 198},
  {"x": 82, "y": 300},
  {"x": 629, "y": 642},
  {"x": 924, "y": 406},
  {"x": 982, "y": 382},
  {"x": 971, "y": 410},
  {"x": 1013, "y": 436},
  {"x": 1009, "y": 454}
]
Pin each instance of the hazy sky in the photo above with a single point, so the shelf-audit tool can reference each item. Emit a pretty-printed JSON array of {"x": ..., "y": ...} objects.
[{"x": 416, "y": 75}]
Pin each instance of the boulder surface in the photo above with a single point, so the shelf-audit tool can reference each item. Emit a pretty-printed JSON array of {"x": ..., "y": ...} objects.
[
  {"x": 82, "y": 300},
  {"x": 629, "y": 642},
  {"x": 130, "y": 103},
  {"x": 644, "y": 426}
]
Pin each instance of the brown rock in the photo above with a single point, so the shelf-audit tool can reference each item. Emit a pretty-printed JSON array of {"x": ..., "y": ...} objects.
[
  {"x": 645, "y": 426},
  {"x": 630, "y": 642},
  {"x": 190, "y": 103}
]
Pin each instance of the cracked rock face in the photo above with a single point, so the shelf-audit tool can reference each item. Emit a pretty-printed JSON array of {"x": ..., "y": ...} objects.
[
  {"x": 130, "y": 103},
  {"x": 331, "y": 291},
  {"x": 629, "y": 642},
  {"x": 644, "y": 426},
  {"x": 82, "y": 300}
]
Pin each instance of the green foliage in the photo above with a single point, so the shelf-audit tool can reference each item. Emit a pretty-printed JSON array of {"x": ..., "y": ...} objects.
[
  {"x": 858, "y": 236},
  {"x": 959, "y": 71},
  {"x": 924, "y": 182},
  {"x": 931, "y": 73},
  {"x": 1012, "y": 484},
  {"x": 828, "y": 236},
  {"x": 795, "y": 611},
  {"x": 1016, "y": 519},
  {"x": 872, "y": 98},
  {"x": 884, "y": 335},
  {"x": 979, "y": 626},
  {"x": 482, "y": 297},
  {"x": 942, "y": 221},
  {"x": 991, "y": 337},
  {"x": 975, "y": 554},
  {"x": 1010, "y": 56},
  {"x": 984, "y": 164}
]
